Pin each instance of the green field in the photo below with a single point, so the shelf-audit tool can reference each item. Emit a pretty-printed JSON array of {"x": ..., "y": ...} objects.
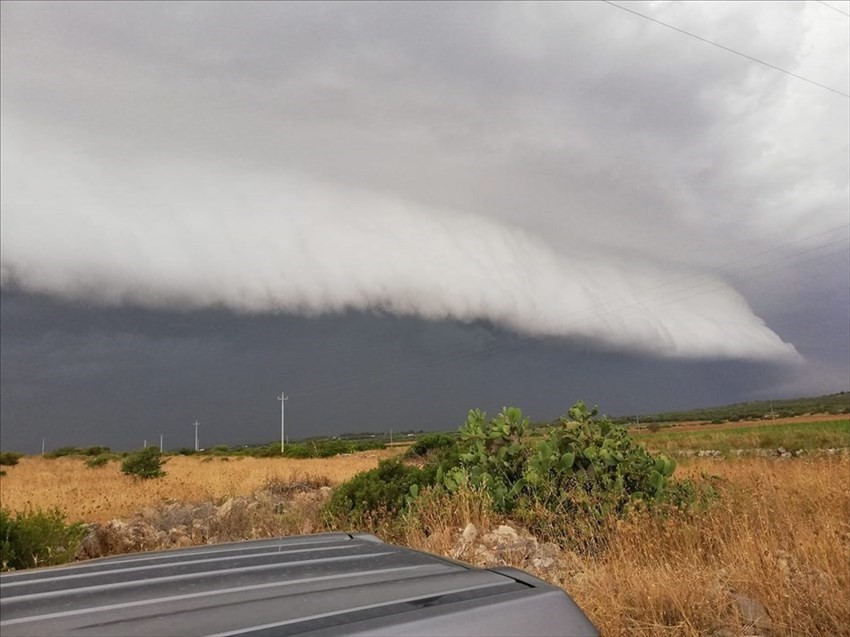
[
  {"x": 837, "y": 404},
  {"x": 803, "y": 435}
]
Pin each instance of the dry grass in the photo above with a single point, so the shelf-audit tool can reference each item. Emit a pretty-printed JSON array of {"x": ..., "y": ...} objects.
[
  {"x": 104, "y": 493},
  {"x": 779, "y": 534}
]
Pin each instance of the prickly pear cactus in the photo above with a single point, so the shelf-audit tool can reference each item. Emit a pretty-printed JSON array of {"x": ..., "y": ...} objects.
[
  {"x": 593, "y": 455},
  {"x": 494, "y": 455},
  {"x": 585, "y": 461}
]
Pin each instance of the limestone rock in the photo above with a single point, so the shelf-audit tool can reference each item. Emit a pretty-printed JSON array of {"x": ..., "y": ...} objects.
[{"x": 753, "y": 613}]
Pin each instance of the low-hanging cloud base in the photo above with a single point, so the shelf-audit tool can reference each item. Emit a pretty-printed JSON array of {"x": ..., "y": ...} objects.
[{"x": 308, "y": 249}]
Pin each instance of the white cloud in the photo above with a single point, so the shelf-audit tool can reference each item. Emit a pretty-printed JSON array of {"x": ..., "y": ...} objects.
[
  {"x": 567, "y": 170},
  {"x": 172, "y": 236}
]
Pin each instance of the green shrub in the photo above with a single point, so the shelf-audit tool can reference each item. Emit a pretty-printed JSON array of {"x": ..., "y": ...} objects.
[
  {"x": 96, "y": 450},
  {"x": 268, "y": 451},
  {"x": 10, "y": 457},
  {"x": 330, "y": 448},
  {"x": 493, "y": 456},
  {"x": 100, "y": 460},
  {"x": 320, "y": 448},
  {"x": 144, "y": 464},
  {"x": 296, "y": 451},
  {"x": 367, "y": 446},
  {"x": 64, "y": 451},
  {"x": 582, "y": 474},
  {"x": 584, "y": 465},
  {"x": 39, "y": 538},
  {"x": 430, "y": 445},
  {"x": 384, "y": 489},
  {"x": 589, "y": 465}
]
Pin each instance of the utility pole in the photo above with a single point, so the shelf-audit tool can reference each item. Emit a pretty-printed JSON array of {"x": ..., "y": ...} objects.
[
  {"x": 772, "y": 415},
  {"x": 160, "y": 443},
  {"x": 42, "y": 447},
  {"x": 282, "y": 398},
  {"x": 391, "y": 436},
  {"x": 145, "y": 445},
  {"x": 196, "y": 435}
]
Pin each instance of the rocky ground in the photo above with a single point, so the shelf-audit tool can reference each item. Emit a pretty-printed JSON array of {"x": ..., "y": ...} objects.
[{"x": 180, "y": 524}]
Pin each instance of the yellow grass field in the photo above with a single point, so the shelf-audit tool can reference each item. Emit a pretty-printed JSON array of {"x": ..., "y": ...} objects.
[
  {"x": 104, "y": 493},
  {"x": 779, "y": 534}
]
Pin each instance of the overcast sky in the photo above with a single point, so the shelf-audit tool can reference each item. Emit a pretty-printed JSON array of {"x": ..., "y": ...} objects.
[{"x": 397, "y": 212}]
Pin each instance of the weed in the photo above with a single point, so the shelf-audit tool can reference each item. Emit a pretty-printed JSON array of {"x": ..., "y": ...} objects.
[{"x": 37, "y": 538}]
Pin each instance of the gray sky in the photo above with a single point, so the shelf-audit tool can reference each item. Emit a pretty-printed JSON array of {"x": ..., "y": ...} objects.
[{"x": 397, "y": 212}]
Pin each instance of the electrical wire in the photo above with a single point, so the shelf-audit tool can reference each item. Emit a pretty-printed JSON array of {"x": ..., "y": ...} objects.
[
  {"x": 729, "y": 49},
  {"x": 826, "y": 4},
  {"x": 634, "y": 303}
]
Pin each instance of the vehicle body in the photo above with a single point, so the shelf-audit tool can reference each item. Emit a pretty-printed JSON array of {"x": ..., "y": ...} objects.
[{"x": 324, "y": 584}]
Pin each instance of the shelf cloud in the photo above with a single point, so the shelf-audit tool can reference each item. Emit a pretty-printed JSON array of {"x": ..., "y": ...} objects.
[
  {"x": 314, "y": 159},
  {"x": 288, "y": 245}
]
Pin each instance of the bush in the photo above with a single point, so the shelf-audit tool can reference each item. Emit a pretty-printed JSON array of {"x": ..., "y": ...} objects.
[
  {"x": 583, "y": 474},
  {"x": 268, "y": 451},
  {"x": 430, "y": 445},
  {"x": 330, "y": 448},
  {"x": 10, "y": 457},
  {"x": 584, "y": 465},
  {"x": 385, "y": 489},
  {"x": 493, "y": 456},
  {"x": 100, "y": 460},
  {"x": 295, "y": 451},
  {"x": 96, "y": 450},
  {"x": 144, "y": 464},
  {"x": 37, "y": 539},
  {"x": 322, "y": 448},
  {"x": 591, "y": 466},
  {"x": 64, "y": 451}
]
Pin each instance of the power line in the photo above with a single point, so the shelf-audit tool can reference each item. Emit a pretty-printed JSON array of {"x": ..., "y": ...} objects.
[
  {"x": 826, "y": 4},
  {"x": 726, "y": 268},
  {"x": 726, "y": 48},
  {"x": 784, "y": 265}
]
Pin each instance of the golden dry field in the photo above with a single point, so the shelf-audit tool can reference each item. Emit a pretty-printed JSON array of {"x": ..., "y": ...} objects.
[
  {"x": 104, "y": 493},
  {"x": 779, "y": 534}
]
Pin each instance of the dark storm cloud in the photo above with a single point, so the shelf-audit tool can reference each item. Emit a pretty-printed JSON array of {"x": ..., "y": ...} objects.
[{"x": 83, "y": 376}]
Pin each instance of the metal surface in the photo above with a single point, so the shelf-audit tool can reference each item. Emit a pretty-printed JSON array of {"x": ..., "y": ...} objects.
[{"x": 325, "y": 584}]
